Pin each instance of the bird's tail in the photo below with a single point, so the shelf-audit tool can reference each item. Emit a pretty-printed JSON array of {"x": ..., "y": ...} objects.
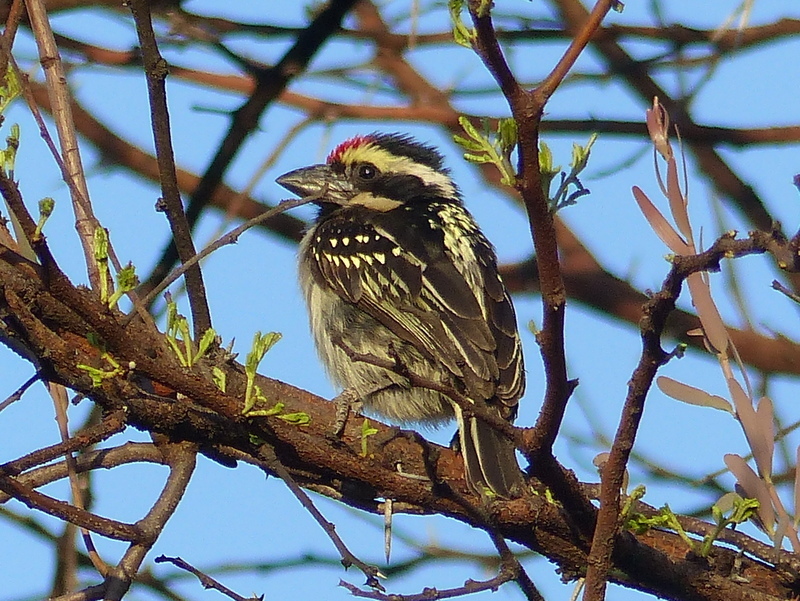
[{"x": 490, "y": 460}]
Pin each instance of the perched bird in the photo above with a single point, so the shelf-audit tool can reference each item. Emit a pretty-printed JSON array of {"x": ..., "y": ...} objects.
[{"x": 395, "y": 266}]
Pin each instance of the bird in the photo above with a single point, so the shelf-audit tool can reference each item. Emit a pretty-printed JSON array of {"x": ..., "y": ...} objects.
[{"x": 396, "y": 268}]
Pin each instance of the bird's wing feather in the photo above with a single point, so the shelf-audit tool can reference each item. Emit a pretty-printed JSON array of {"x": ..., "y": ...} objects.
[{"x": 453, "y": 309}]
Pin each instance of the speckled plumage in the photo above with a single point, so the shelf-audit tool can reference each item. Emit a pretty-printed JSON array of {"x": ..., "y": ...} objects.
[{"x": 395, "y": 266}]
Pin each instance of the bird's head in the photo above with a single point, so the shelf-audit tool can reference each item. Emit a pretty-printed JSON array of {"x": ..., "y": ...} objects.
[{"x": 378, "y": 171}]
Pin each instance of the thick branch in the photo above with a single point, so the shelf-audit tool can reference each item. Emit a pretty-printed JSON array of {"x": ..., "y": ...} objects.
[{"x": 307, "y": 452}]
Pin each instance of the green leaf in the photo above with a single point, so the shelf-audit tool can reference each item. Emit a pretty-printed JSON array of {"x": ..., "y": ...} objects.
[
  {"x": 298, "y": 418},
  {"x": 274, "y": 410},
  {"x": 546, "y": 160},
  {"x": 580, "y": 154},
  {"x": 261, "y": 345},
  {"x": 467, "y": 143},
  {"x": 507, "y": 132},
  {"x": 463, "y": 35},
  {"x": 570, "y": 187},
  {"x": 219, "y": 377},
  {"x": 10, "y": 152},
  {"x": 366, "y": 430},
  {"x": 127, "y": 280},
  {"x": 477, "y": 158},
  {"x": 9, "y": 90},
  {"x": 209, "y": 336},
  {"x": 46, "y": 207},
  {"x": 100, "y": 244}
]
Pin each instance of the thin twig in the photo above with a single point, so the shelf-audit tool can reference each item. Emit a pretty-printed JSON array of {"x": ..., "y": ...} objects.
[
  {"x": 270, "y": 83},
  {"x": 131, "y": 452},
  {"x": 17, "y": 394},
  {"x": 576, "y": 47},
  {"x": 655, "y": 313},
  {"x": 85, "y": 221},
  {"x": 229, "y": 238},
  {"x": 511, "y": 566},
  {"x": 64, "y": 511},
  {"x": 182, "y": 460},
  {"x": 9, "y": 33},
  {"x": 271, "y": 461},
  {"x": 59, "y": 395},
  {"x": 156, "y": 71},
  {"x": 207, "y": 581},
  {"x": 30, "y": 100},
  {"x": 470, "y": 587},
  {"x": 111, "y": 424},
  {"x": 776, "y": 285}
]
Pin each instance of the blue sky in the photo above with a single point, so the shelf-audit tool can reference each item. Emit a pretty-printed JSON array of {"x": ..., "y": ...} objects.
[{"x": 237, "y": 516}]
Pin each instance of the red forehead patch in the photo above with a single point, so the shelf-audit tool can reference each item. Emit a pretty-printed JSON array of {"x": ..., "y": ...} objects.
[{"x": 336, "y": 153}]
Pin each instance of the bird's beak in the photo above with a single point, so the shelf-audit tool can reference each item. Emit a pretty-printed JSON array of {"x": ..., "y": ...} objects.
[{"x": 318, "y": 181}]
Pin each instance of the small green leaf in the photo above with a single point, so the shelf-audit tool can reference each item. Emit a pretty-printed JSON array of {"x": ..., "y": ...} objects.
[
  {"x": 477, "y": 158},
  {"x": 99, "y": 375},
  {"x": 508, "y": 132},
  {"x": 743, "y": 510},
  {"x": 182, "y": 359},
  {"x": 9, "y": 90},
  {"x": 9, "y": 155},
  {"x": 100, "y": 249},
  {"x": 580, "y": 154},
  {"x": 256, "y": 440},
  {"x": 468, "y": 127},
  {"x": 274, "y": 410},
  {"x": 467, "y": 143},
  {"x": 463, "y": 35},
  {"x": 261, "y": 345},
  {"x": 570, "y": 187},
  {"x": 366, "y": 430},
  {"x": 100, "y": 244},
  {"x": 298, "y": 418},
  {"x": 94, "y": 339},
  {"x": 46, "y": 207},
  {"x": 205, "y": 342},
  {"x": 219, "y": 377},
  {"x": 127, "y": 280},
  {"x": 546, "y": 159}
]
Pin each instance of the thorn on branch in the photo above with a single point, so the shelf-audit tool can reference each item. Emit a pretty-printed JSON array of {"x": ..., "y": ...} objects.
[{"x": 207, "y": 581}]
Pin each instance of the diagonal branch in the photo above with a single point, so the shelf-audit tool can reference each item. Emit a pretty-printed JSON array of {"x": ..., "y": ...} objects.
[{"x": 156, "y": 71}]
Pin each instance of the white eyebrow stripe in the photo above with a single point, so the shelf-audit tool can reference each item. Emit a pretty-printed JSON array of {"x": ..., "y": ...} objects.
[{"x": 387, "y": 162}]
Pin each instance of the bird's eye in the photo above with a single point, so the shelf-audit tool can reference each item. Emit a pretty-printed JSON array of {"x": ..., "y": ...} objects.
[{"x": 366, "y": 171}]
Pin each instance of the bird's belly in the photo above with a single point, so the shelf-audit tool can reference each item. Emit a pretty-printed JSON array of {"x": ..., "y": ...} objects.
[{"x": 335, "y": 324}]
